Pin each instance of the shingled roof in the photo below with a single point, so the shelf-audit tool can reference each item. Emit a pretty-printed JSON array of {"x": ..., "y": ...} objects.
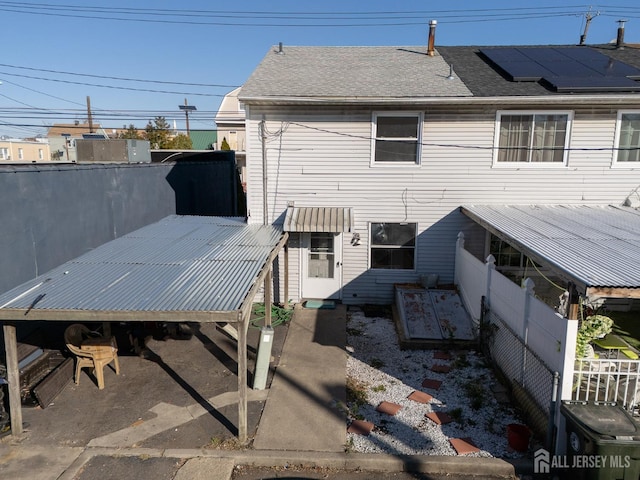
[
  {"x": 484, "y": 80},
  {"x": 395, "y": 75},
  {"x": 352, "y": 73}
]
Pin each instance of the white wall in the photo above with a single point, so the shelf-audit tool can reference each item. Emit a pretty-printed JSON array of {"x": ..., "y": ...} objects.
[{"x": 322, "y": 157}]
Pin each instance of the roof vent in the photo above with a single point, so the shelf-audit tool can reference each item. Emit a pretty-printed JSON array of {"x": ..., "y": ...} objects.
[
  {"x": 432, "y": 38},
  {"x": 280, "y": 50},
  {"x": 620, "y": 38},
  {"x": 451, "y": 77}
]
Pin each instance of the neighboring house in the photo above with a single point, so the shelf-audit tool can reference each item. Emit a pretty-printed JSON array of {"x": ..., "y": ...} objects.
[
  {"x": 366, "y": 154},
  {"x": 230, "y": 121},
  {"x": 24, "y": 151}
]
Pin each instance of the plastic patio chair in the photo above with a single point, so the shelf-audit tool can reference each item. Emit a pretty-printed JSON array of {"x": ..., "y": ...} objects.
[{"x": 91, "y": 350}]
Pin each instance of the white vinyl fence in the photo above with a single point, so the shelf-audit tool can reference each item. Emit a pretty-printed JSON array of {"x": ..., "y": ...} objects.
[{"x": 527, "y": 339}]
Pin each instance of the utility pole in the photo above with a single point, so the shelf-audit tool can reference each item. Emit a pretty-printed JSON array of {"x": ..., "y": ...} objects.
[
  {"x": 187, "y": 108},
  {"x": 588, "y": 18},
  {"x": 89, "y": 117}
]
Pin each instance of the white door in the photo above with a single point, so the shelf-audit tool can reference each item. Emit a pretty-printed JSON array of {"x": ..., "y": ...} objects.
[{"x": 321, "y": 265}]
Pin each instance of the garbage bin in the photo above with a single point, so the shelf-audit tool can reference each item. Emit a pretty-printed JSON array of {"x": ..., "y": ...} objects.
[{"x": 603, "y": 441}]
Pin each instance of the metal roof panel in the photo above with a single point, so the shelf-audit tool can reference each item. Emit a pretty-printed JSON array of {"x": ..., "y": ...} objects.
[
  {"x": 597, "y": 245},
  {"x": 181, "y": 264}
]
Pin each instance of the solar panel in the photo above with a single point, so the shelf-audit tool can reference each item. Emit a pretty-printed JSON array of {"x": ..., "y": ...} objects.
[
  {"x": 593, "y": 84},
  {"x": 517, "y": 66},
  {"x": 565, "y": 69}
]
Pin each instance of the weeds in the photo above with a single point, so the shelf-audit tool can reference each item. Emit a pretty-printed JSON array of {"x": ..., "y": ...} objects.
[
  {"x": 456, "y": 415},
  {"x": 376, "y": 363},
  {"x": 475, "y": 392},
  {"x": 356, "y": 396}
]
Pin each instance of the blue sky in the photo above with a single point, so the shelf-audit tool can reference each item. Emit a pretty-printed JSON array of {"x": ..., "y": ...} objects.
[{"x": 57, "y": 54}]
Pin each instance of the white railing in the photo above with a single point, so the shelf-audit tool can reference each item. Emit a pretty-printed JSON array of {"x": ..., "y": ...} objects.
[{"x": 607, "y": 380}]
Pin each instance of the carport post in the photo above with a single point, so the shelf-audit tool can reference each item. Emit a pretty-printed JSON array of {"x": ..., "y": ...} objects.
[
  {"x": 243, "y": 326},
  {"x": 13, "y": 376}
]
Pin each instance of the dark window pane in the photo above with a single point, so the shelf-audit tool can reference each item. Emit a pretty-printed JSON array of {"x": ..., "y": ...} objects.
[
  {"x": 397, "y": 127},
  {"x": 321, "y": 242},
  {"x": 392, "y": 258},
  {"x": 393, "y": 234},
  {"x": 396, "y": 151}
]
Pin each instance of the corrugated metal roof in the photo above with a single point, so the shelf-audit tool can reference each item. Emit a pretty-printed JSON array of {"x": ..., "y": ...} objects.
[
  {"x": 179, "y": 264},
  {"x": 598, "y": 246},
  {"x": 318, "y": 219}
]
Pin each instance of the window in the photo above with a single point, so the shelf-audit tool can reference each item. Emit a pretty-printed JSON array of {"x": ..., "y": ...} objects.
[
  {"x": 393, "y": 246},
  {"x": 20, "y": 154},
  {"x": 40, "y": 154},
  {"x": 321, "y": 255},
  {"x": 4, "y": 153},
  {"x": 628, "y": 137},
  {"x": 505, "y": 254},
  {"x": 396, "y": 138},
  {"x": 532, "y": 138}
]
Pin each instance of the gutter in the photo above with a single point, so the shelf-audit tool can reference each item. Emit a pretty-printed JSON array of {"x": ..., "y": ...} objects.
[{"x": 625, "y": 100}]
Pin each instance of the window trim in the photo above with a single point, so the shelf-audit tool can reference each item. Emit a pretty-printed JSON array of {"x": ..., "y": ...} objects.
[
  {"x": 418, "y": 115},
  {"x": 616, "y": 144},
  {"x": 415, "y": 248},
  {"x": 567, "y": 141}
]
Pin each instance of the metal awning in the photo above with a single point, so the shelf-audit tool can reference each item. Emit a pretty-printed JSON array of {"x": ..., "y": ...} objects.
[
  {"x": 195, "y": 269},
  {"x": 595, "y": 247},
  {"x": 318, "y": 219}
]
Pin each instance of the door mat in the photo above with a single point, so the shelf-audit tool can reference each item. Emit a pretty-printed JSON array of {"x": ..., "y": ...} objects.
[{"x": 323, "y": 304}]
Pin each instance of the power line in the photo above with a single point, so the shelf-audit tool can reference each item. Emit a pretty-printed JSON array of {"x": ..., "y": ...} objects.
[
  {"x": 451, "y": 145},
  {"x": 391, "y": 18},
  {"x": 163, "y": 82},
  {"x": 112, "y": 86},
  {"x": 41, "y": 93}
]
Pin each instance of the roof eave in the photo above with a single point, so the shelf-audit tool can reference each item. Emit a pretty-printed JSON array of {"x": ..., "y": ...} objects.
[{"x": 609, "y": 99}]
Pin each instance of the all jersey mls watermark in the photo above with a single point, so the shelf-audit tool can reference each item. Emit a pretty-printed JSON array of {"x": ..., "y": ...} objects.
[{"x": 543, "y": 462}]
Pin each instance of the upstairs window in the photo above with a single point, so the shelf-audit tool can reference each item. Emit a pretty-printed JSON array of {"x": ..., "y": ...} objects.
[
  {"x": 538, "y": 138},
  {"x": 393, "y": 246},
  {"x": 628, "y": 138},
  {"x": 396, "y": 138}
]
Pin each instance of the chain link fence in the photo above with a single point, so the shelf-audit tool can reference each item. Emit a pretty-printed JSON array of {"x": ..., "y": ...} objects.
[{"x": 531, "y": 380}]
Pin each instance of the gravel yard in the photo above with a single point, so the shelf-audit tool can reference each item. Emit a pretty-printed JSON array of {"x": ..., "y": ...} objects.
[{"x": 378, "y": 371}]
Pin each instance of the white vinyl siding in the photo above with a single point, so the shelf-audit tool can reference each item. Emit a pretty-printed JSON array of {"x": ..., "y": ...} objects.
[
  {"x": 532, "y": 137},
  {"x": 628, "y": 137},
  {"x": 323, "y": 158}
]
